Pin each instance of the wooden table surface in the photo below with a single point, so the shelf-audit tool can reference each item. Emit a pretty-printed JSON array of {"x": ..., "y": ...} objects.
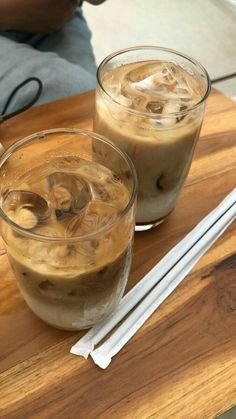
[{"x": 182, "y": 363}]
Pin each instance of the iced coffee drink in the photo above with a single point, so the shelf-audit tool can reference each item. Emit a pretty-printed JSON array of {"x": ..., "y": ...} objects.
[
  {"x": 68, "y": 229},
  {"x": 150, "y": 101}
]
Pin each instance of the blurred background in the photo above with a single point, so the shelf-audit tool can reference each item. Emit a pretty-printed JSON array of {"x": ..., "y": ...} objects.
[{"x": 203, "y": 29}]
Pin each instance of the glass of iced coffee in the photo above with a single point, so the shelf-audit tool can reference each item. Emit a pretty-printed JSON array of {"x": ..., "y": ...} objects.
[
  {"x": 67, "y": 203},
  {"x": 150, "y": 101}
]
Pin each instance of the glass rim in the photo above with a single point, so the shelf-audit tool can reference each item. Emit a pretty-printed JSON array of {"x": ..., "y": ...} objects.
[
  {"x": 158, "y": 48},
  {"x": 40, "y": 135}
]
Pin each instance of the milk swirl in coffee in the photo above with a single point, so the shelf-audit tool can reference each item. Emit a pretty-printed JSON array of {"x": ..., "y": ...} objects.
[{"x": 70, "y": 285}]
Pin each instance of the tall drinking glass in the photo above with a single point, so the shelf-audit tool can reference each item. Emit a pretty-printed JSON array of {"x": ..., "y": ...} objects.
[{"x": 150, "y": 101}]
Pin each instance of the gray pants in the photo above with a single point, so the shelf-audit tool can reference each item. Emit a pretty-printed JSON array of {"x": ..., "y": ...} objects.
[{"x": 63, "y": 60}]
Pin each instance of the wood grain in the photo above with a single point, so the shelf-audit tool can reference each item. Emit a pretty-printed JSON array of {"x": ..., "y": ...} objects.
[{"x": 182, "y": 363}]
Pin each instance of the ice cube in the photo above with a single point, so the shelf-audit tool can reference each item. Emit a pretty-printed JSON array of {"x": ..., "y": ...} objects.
[
  {"x": 104, "y": 213},
  {"x": 155, "y": 107},
  {"x": 174, "y": 111},
  {"x": 69, "y": 194},
  {"x": 140, "y": 103},
  {"x": 183, "y": 88},
  {"x": 111, "y": 83},
  {"x": 98, "y": 215},
  {"x": 142, "y": 71},
  {"x": 50, "y": 289},
  {"x": 148, "y": 82},
  {"x": 93, "y": 172},
  {"x": 169, "y": 114},
  {"x": 74, "y": 226},
  {"x": 124, "y": 100},
  {"x": 111, "y": 192},
  {"x": 54, "y": 254},
  {"x": 182, "y": 115},
  {"x": 26, "y": 208},
  {"x": 151, "y": 82},
  {"x": 26, "y": 218},
  {"x": 82, "y": 226},
  {"x": 100, "y": 192},
  {"x": 159, "y": 80},
  {"x": 171, "y": 107}
]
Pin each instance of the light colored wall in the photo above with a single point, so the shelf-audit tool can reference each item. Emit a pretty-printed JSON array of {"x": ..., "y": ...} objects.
[{"x": 204, "y": 29}]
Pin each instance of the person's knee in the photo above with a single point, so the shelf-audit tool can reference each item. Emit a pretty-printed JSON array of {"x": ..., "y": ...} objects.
[{"x": 61, "y": 79}]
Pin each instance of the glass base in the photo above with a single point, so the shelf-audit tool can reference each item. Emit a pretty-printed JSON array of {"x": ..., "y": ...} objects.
[{"x": 149, "y": 226}]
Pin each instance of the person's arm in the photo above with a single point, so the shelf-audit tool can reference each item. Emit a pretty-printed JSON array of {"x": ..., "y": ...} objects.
[
  {"x": 95, "y": 2},
  {"x": 3, "y": 15},
  {"x": 35, "y": 16}
]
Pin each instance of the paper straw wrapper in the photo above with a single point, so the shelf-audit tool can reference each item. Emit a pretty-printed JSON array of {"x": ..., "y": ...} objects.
[
  {"x": 103, "y": 355},
  {"x": 181, "y": 258}
]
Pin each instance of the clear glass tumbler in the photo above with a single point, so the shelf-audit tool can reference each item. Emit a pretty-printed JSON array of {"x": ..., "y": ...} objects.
[
  {"x": 150, "y": 101},
  {"x": 67, "y": 206}
]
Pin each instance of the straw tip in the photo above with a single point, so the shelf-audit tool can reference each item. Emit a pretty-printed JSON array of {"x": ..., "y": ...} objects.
[
  {"x": 82, "y": 350},
  {"x": 101, "y": 358}
]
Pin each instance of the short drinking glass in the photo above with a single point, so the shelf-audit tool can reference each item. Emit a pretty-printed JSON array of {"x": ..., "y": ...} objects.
[{"x": 67, "y": 203}]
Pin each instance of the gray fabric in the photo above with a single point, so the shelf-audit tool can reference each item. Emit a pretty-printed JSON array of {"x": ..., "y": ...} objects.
[{"x": 63, "y": 60}]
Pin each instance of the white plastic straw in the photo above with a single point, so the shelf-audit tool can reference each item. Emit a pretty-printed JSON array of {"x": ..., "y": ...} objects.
[
  {"x": 103, "y": 355},
  {"x": 87, "y": 343}
]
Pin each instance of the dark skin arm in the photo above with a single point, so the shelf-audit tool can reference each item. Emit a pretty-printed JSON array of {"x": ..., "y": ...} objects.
[{"x": 35, "y": 16}]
